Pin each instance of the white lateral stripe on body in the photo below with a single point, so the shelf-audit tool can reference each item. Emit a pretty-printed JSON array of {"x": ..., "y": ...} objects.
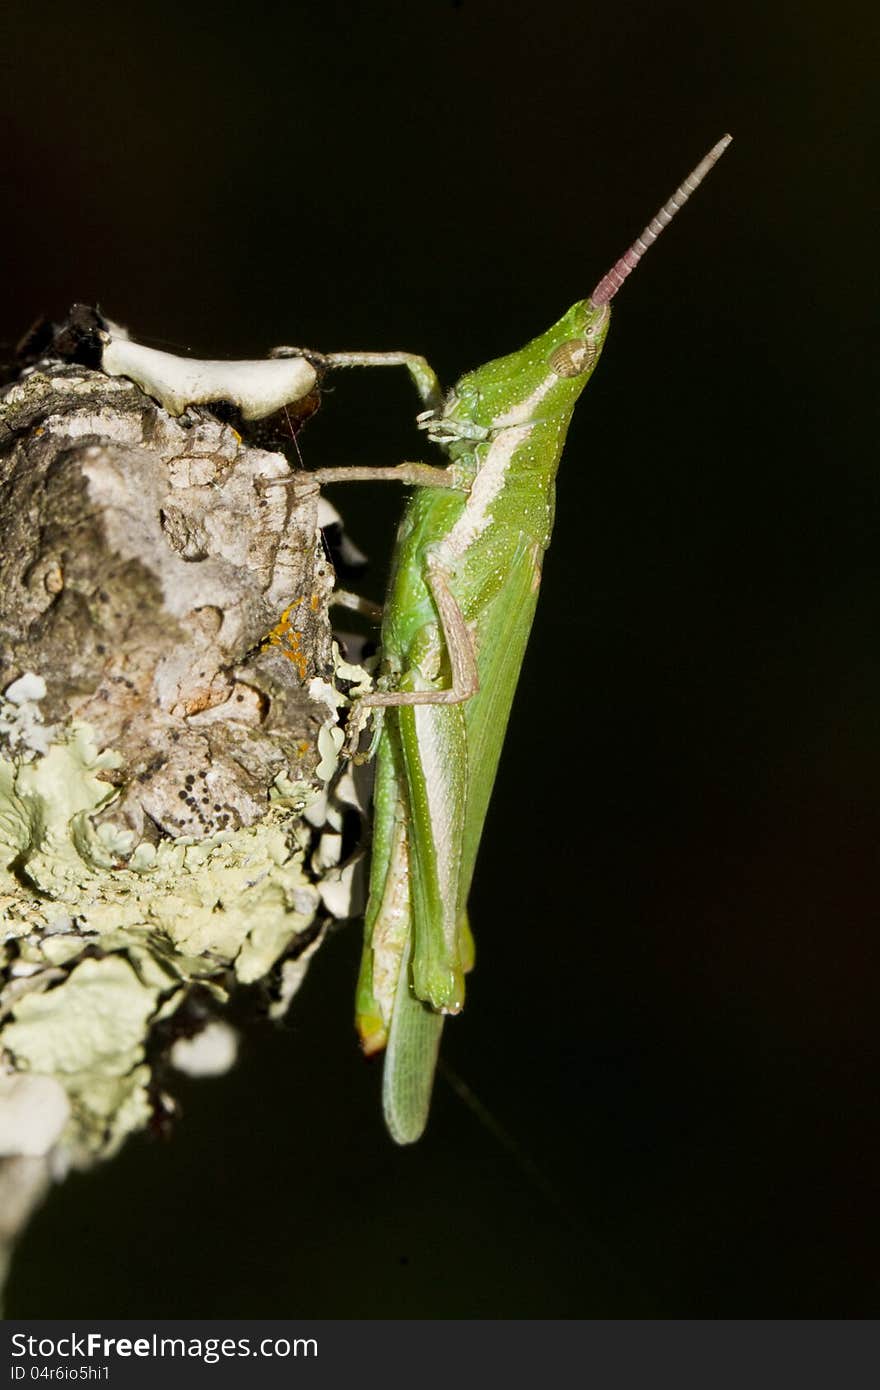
[
  {"x": 486, "y": 486},
  {"x": 521, "y": 414}
]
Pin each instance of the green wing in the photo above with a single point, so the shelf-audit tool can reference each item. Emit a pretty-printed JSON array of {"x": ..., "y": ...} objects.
[
  {"x": 434, "y": 761},
  {"x": 410, "y": 1060},
  {"x": 464, "y": 758},
  {"x": 502, "y": 637}
]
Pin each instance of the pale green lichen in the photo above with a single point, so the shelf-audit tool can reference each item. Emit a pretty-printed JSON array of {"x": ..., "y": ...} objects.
[
  {"x": 100, "y": 939},
  {"x": 210, "y": 1053},
  {"x": 330, "y": 741},
  {"x": 33, "y": 1112},
  {"x": 331, "y": 737},
  {"x": 89, "y": 1034},
  {"x": 21, "y": 719}
]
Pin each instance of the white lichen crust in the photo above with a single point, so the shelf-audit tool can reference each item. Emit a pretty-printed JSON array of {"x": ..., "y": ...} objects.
[{"x": 257, "y": 388}]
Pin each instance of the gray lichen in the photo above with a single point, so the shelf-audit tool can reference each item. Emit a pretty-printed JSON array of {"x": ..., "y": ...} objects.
[{"x": 167, "y": 734}]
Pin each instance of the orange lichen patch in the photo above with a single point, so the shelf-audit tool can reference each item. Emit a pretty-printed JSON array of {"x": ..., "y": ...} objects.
[
  {"x": 288, "y": 639},
  {"x": 242, "y": 703},
  {"x": 313, "y": 603},
  {"x": 303, "y": 747},
  {"x": 294, "y": 652},
  {"x": 198, "y": 698}
]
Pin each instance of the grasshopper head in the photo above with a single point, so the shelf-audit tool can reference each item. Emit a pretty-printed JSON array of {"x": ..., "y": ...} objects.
[{"x": 542, "y": 380}]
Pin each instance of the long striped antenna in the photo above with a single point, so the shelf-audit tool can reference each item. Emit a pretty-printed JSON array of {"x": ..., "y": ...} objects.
[{"x": 609, "y": 284}]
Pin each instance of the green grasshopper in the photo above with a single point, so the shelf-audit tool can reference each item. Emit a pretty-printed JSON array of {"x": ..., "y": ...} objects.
[{"x": 461, "y": 598}]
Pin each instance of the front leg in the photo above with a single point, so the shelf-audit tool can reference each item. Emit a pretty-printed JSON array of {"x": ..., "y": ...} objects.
[{"x": 423, "y": 376}]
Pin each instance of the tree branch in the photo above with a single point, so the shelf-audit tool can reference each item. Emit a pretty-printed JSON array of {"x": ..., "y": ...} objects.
[{"x": 168, "y": 673}]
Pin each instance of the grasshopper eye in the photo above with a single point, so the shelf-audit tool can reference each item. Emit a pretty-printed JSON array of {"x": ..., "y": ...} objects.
[{"x": 572, "y": 358}]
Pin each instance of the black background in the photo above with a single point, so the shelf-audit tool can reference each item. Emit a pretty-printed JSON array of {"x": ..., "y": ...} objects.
[{"x": 672, "y": 1027}]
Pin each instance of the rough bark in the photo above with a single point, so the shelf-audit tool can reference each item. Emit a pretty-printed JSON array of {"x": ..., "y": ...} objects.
[
  {"x": 142, "y": 569},
  {"x": 167, "y": 667}
]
